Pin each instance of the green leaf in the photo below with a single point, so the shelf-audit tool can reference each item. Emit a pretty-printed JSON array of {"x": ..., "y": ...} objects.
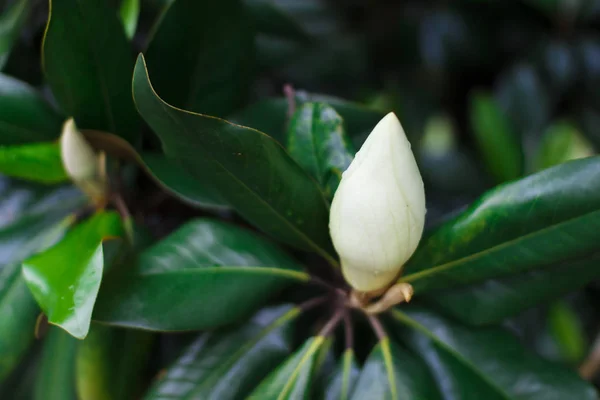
[
  {"x": 250, "y": 170},
  {"x": 498, "y": 144},
  {"x": 129, "y": 12},
  {"x": 393, "y": 373},
  {"x": 341, "y": 382},
  {"x": 165, "y": 172},
  {"x": 110, "y": 363},
  {"x": 317, "y": 141},
  {"x": 66, "y": 278},
  {"x": 87, "y": 62},
  {"x": 39, "y": 162},
  {"x": 202, "y": 55},
  {"x": 566, "y": 329},
  {"x": 293, "y": 378},
  {"x": 220, "y": 271},
  {"x": 56, "y": 374},
  {"x": 11, "y": 24},
  {"x": 493, "y": 300},
  {"x": 508, "y": 229},
  {"x": 25, "y": 116},
  {"x": 228, "y": 364},
  {"x": 270, "y": 116},
  {"x": 560, "y": 143},
  {"x": 485, "y": 363}
]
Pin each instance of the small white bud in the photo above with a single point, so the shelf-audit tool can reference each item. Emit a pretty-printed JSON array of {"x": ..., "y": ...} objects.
[
  {"x": 378, "y": 211},
  {"x": 81, "y": 162}
]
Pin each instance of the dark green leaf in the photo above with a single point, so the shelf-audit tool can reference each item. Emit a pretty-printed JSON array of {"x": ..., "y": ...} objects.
[
  {"x": 87, "y": 61},
  {"x": 11, "y": 23},
  {"x": 56, "y": 373},
  {"x": 393, "y": 373},
  {"x": 66, "y": 278},
  {"x": 39, "y": 162},
  {"x": 220, "y": 271},
  {"x": 508, "y": 229},
  {"x": 165, "y": 172},
  {"x": 343, "y": 379},
  {"x": 202, "y": 56},
  {"x": 280, "y": 18},
  {"x": 317, "y": 141},
  {"x": 498, "y": 144},
  {"x": 270, "y": 116},
  {"x": 129, "y": 12},
  {"x": 25, "y": 116},
  {"x": 494, "y": 300},
  {"x": 110, "y": 363},
  {"x": 228, "y": 364},
  {"x": 292, "y": 379},
  {"x": 485, "y": 363},
  {"x": 250, "y": 170}
]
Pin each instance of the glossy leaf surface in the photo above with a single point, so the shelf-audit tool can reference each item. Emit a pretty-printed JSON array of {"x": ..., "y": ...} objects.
[
  {"x": 228, "y": 364},
  {"x": 293, "y": 378},
  {"x": 498, "y": 143},
  {"x": 66, "y": 278},
  {"x": 56, "y": 374},
  {"x": 342, "y": 381},
  {"x": 317, "y": 140},
  {"x": 25, "y": 116},
  {"x": 510, "y": 229},
  {"x": 485, "y": 363},
  {"x": 11, "y": 23},
  {"x": 251, "y": 171},
  {"x": 202, "y": 55},
  {"x": 88, "y": 64},
  {"x": 393, "y": 373},
  {"x": 493, "y": 300},
  {"x": 220, "y": 271},
  {"x": 38, "y": 162}
]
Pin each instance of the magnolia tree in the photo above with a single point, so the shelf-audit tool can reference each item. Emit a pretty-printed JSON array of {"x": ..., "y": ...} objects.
[{"x": 162, "y": 237}]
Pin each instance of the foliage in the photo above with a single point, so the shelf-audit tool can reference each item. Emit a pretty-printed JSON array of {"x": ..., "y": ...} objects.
[{"x": 205, "y": 268}]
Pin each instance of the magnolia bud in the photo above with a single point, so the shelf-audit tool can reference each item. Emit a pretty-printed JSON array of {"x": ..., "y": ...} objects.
[
  {"x": 81, "y": 162},
  {"x": 378, "y": 211}
]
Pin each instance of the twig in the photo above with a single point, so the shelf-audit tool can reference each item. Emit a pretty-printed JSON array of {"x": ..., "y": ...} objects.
[
  {"x": 314, "y": 302},
  {"x": 121, "y": 207},
  {"x": 377, "y": 327},
  {"x": 290, "y": 95},
  {"x": 589, "y": 368},
  {"x": 348, "y": 333},
  {"x": 333, "y": 322}
]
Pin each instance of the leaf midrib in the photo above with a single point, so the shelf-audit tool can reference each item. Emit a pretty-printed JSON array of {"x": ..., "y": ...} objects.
[
  {"x": 474, "y": 256},
  {"x": 272, "y": 271}
]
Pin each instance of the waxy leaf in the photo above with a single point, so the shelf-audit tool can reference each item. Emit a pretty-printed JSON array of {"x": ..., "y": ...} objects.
[
  {"x": 220, "y": 271},
  {"x": 493, "y": 300},
  {"x": 56, "y": 373},
  {"x": 293, "y": 378},
  {"x": 25, "y": 116},
  {"x": 228, "y": 364},
  {"x": 251, "y": 171},
  {"x": 202, "y": 55},
  {"x": 393, "y": 373},
  {"x": 11, "y": 23},
  {"x": 165, "y": 172},
  {"x": 87, "y": 62},
  {"x": 528, "y": 224},
  {"x": 317, "y": 141},
  {"x": 341, "y": 382},
  {"x": 485, "y": 363},
  {"x": 39, "y": 162},
  {"x": 66, "y": 278},
  {"x": 498, "y": 143}
]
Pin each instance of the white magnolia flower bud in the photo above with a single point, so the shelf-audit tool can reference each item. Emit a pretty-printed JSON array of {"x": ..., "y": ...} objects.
[
  {"x": 81, "y": 162},
  {"x": 378, "y": 211}
]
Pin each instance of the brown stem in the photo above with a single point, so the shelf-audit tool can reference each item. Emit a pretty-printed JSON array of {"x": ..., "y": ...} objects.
[
  {"x": 333, "y": 322},
  {"x": 348, "y": 333},
  {"x": 290, "y": 95},
  {"x": 312, "y": 303},
  {"x": 589, "y": 368},
  {"x": 377, "y": 327}
]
